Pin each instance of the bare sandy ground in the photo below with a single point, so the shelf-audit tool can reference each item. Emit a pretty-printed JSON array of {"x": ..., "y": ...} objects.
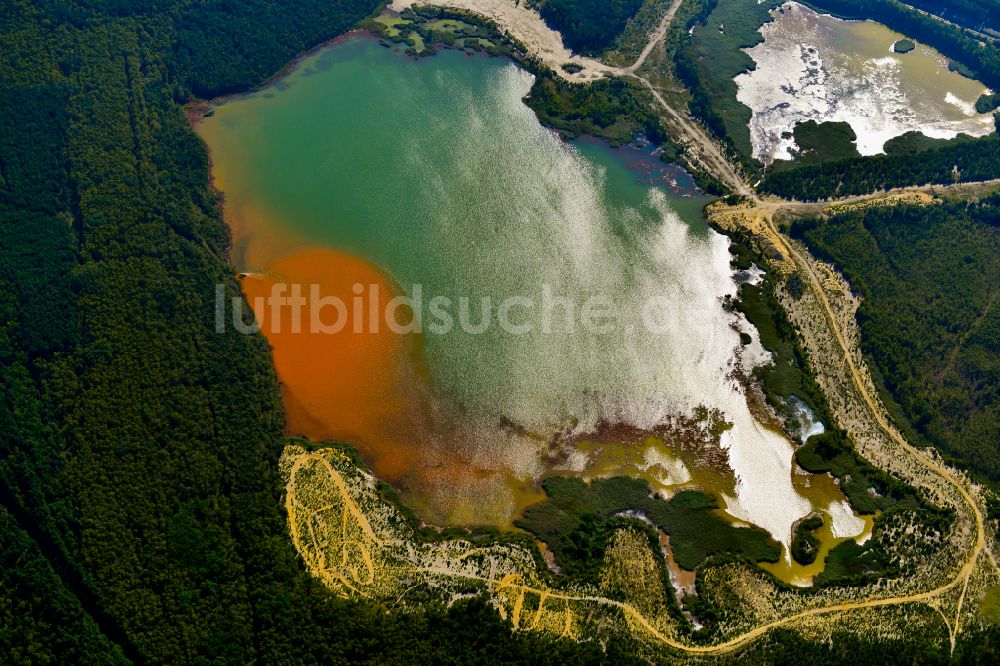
[{"x": 526, "y": 26}]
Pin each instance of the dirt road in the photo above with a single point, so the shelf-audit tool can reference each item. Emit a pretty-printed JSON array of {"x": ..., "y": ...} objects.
[{"x": 527, "y": 27}]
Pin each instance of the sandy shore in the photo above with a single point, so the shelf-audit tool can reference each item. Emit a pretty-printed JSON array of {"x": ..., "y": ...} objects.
[{"x": 526, "y": 26}]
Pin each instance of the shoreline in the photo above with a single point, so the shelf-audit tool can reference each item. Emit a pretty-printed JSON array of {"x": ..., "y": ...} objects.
[
  {"x": 522, "y": 25},
  {"x": 197, "y": 109},
  {"x": 199, "y": 105}
]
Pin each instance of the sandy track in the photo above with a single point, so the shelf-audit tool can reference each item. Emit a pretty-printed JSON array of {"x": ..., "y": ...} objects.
[
  {"x": 654, "y": 39},
  {"x": 845, "y": 347},
  {"x": 701, "y": 149}
]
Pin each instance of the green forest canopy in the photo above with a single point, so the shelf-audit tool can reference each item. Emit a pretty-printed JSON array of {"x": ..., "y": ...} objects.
[
  {"x": 929, "y": 316},
  {"x": 975, "y": 14},
  {"x": 956, "y": 162}
]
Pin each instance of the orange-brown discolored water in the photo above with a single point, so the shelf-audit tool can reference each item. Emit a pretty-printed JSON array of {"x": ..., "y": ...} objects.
[
  {"x": 355, "y": 380},
  {"x": 359, "y": 384}
]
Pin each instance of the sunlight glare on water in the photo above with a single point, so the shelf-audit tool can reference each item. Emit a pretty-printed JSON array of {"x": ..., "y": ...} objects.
[{"x": 437, "y": 174}]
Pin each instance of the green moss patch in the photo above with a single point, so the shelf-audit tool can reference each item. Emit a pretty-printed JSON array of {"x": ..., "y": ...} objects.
[{"x": 990, "y": 604}]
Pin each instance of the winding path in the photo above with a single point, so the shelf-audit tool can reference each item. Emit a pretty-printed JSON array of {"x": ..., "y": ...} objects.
[{"x": 654, "y": 39}]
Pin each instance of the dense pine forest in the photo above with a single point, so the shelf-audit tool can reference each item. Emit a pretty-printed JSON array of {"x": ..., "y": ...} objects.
[
  {"x": 976, "y": 14},
  {"x": 929, "y": 316},
  {"x": 960, "y": 162}
]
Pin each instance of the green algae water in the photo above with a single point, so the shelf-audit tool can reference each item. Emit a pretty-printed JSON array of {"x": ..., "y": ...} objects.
[{"x": 436, "y": 173}]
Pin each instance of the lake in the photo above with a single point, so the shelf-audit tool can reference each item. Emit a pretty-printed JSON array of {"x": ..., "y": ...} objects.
[{"x": 569, "y": 295}]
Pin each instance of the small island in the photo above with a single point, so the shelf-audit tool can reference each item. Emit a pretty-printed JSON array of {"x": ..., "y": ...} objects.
[
  {"x": 988, "y": 103},
  {"x": 903, "y": 46}
]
